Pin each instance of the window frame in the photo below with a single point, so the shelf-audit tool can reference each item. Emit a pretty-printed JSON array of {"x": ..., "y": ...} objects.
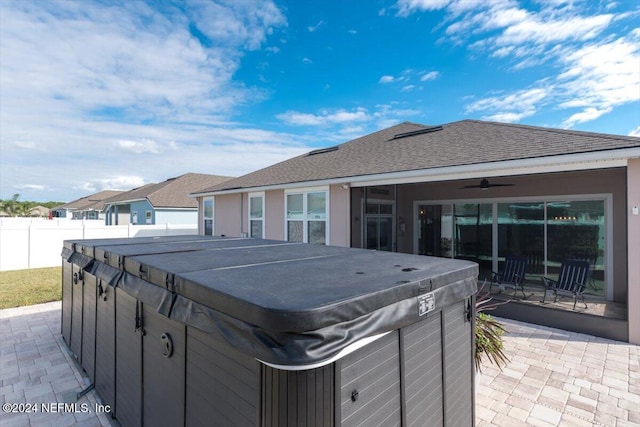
[
  {"x": 250, "y": 196},
  {"x": 205, "y": 218},
  {"x": 305, "y": 212}
]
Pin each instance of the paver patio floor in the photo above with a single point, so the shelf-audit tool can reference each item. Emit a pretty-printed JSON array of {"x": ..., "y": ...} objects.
[{"x": 554, "y": 378}]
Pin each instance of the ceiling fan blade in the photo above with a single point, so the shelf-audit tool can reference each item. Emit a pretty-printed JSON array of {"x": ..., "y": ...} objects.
[
  {"x": 470, "y": 186},
  {"x": 501, "y": 185}
]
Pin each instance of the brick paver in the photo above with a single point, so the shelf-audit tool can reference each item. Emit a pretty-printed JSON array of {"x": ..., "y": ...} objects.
[
  {"x": 560, "y": 378},
  {"x": 554, "y": 377}
]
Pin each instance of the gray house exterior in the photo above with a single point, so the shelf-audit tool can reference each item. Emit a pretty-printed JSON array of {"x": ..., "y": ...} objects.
[
  {"x": 167, "y": 202},
  {"x": 469, "y": 189}
]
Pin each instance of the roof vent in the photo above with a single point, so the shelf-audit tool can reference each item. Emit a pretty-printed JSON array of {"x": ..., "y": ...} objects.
[
  {"x": 323, "y": 150},
  {"x": 417, "y": 132}
]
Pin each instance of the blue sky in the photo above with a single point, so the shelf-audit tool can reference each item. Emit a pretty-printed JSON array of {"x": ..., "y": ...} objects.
[{"x": 112, "y": 95}]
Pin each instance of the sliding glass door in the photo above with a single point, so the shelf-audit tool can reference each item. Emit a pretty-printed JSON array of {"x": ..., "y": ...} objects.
[{"x": 547, "y": 232}]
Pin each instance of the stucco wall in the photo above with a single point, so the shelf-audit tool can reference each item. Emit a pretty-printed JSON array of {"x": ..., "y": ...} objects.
[
  {"x": 570, "y": 183},
  {"x": 274, "y": 214},
  {"x": 228, "y": 215},
  {"x": 339, "y": 216}
]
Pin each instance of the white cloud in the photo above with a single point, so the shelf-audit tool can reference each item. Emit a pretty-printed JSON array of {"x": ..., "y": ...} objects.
[
  {"x": 407, "y": 7},
  {"x": 510, "y": 107},
  {"x": 313, "y": 28},
  {"x": 596, "y": 72},
  {"x": 273, "y": 49},
  {"x": 586, "y": 115},
  {"x": 323, "y": 118},
  {"x": 139, "y": 147},
  {"x": 126, "y": 182},
  {"x": 30, "y": 187},
  {"x": 306, "y": 60},
  {"x": 407, "y": 88},
  {"x": 129, "y": 76},
  {"x": 340, "y": 125},
  {"x": 635, "y": 132},
  {"x": 386, "y": 79},
  {"x": 431, "y": 75},
  {"x": 352, "y": 31}
]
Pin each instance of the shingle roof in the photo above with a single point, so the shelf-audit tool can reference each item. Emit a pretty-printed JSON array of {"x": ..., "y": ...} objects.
[
  {"x": 465, "y": 142},
  {"x": 90, "y": 202},
  {"x": 172, "y": 193}
]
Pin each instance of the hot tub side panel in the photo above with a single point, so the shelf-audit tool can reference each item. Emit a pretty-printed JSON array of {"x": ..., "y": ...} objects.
[
  {"x": 67, "y": 300},
  {"x": 370, "y": 382},
  {"x": 128, "y": 360},
  {"x": 105, "y": 365},
  {"x": 89, "y": 325},
  {"x": 222, "y": 384},
  {"x": 422, "y": 388},
  {"x": 76, "y": 311},
  {"x": 163, "y": 370},
  {"x": 458, "y": 369},
  {"x": 298, "y": 398}
]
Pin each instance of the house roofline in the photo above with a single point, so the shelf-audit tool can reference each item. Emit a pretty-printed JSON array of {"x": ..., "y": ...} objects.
[{"x": 547, "y": 164}]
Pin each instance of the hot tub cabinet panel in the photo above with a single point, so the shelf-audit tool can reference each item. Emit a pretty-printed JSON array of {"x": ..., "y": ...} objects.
[
  {"x": 105, "y": 367},
  {"x": 163, "y": 369},
  {"x": 67, "y": 300},
  {"x": 128, "y": 404},
  {"x": 193, "y": 331},
  {"x": 77, "y": 281},
  {"x": 89, "y": 300},
  {"x": 221, "y": 383}
]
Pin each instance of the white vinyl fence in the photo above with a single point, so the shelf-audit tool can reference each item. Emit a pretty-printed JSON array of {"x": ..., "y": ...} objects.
[{"x": 35, "y": 243}]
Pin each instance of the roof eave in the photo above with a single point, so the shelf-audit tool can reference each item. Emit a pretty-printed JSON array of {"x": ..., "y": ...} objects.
[{"x": 546, "y": 164}]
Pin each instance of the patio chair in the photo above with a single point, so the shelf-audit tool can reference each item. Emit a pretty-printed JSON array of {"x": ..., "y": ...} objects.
[
  {"x": 572, "y": 280},
  {"x": 511, "y": 275}
]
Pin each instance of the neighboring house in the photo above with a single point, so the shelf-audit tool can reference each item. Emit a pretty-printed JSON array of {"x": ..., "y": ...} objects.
[
  {"x": 39, "y": 211},
  {"x": 162, "y": 203},
  {"x": 468, "y": 189},
  {"x": 88, "y": 207}
]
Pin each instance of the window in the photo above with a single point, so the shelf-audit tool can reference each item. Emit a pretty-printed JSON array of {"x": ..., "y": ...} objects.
[
  {"x": 306, "y": 217},
  {"x": 256, "y": 215},
  {"x": 208, "y": 216},
  {"x": 547, "y": 231},
  {"x": 148, "y": 217}
]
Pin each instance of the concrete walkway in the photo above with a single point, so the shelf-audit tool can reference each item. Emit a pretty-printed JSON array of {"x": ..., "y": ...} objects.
[{"x": 555, "y": 378}]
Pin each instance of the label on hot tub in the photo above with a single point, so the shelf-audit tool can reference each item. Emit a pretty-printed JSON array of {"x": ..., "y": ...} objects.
[{"x": 426, "y": 303}]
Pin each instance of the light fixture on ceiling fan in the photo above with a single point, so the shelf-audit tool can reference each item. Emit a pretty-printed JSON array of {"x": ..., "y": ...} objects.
[{"x": 484, "y": 185}]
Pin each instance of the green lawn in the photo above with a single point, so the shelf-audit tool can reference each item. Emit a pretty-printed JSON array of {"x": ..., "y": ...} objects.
[{"x": 27, "y": 287}]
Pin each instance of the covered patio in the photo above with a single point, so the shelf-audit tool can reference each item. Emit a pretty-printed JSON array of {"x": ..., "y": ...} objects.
[{"x": 544, "y": 218}]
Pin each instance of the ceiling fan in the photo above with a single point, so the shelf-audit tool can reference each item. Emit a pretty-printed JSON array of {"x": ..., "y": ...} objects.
[{"x": 484, "y": 185}]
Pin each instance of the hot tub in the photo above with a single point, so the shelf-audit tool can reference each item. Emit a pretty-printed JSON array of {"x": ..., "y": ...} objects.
[{"x": 194, "y": 330}]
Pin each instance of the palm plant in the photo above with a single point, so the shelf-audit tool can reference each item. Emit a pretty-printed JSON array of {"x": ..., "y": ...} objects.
[{"x": 488, "y": 332}]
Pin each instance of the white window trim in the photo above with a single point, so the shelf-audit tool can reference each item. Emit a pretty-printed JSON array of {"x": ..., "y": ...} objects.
[
  {"x": 212, "y": 218},
  {"x": 249, "y": 219},
  {"x": 608, "y": 223},
  {"x": 304, "y": 191}
]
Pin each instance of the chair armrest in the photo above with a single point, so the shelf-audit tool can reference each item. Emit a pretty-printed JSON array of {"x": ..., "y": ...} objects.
[{"x": 549, "y": 283}]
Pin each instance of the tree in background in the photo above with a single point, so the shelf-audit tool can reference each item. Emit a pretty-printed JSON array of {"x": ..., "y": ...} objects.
[{"x": 14, "y": 207}]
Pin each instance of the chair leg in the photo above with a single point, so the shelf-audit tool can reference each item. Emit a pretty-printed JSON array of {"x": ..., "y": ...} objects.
[{"x": 544, "y": 295}]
